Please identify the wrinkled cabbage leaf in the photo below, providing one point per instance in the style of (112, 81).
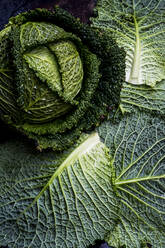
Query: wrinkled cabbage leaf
(136, 145)
(139, 27)
(143, 97)
(111, 184)
(112, 188)
(55, 200)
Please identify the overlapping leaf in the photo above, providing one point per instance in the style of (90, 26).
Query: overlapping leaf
(139, 27)
(49, 200)
(137, 146)
(143, 97)
(73, 198)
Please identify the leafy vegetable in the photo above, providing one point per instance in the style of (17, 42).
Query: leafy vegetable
(139, 27)
(50, 200)
(136, 145)
(52, 65)
(143, 97)
(110, 183)
(113, 188)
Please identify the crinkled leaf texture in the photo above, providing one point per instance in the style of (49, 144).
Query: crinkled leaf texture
(58, 76)
(139, 27)
(50, 200)
(137, 145)
(143, 97)
(113, 189)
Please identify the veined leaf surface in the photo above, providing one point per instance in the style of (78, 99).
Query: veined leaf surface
(42, 61)
(139, 27)
(40, 33)
(143, 97)
(71, 67)
(49, 200)
(137, 145)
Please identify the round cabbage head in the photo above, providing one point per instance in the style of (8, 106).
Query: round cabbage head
(58, 77)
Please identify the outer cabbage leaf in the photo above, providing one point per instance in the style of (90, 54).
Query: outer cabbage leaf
(55, 200)
(143, 97)
(139, 27)
(137, 145)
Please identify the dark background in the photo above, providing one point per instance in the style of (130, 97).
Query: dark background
(82, 9)
(79, 8)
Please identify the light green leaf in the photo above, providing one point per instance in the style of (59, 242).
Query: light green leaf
(143, 97)
(41, 33)
(71, 68)
(139, 27)
(55, 200)
(39, 103)
(137, 145)
(43, 62)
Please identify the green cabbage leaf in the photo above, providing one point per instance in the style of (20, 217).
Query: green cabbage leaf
(143, 97)
(55, 200)
(139, 27)
(136, 142)
(136, 146)
(110, 183)
(110, 188)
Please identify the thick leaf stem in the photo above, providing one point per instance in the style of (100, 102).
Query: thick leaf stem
(134, 75)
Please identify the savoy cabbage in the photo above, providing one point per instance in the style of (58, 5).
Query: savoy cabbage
(110, 183)
(54, 80)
